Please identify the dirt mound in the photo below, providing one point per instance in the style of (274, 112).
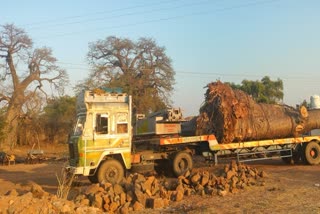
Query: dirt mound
(232, 115)
(136, 192)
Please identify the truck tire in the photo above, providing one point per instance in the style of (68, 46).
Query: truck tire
(110, 171)
(182, 162)
(312, 153)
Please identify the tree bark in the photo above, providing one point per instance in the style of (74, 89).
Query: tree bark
(233, 116)
(11, 129)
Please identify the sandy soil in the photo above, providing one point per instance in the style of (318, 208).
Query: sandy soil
(287, 189)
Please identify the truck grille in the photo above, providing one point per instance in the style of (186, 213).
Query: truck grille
(74, 153)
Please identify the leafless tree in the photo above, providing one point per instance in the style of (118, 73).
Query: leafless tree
(25, 72)
(142, 69)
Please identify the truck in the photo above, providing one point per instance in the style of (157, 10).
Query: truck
(108, 140)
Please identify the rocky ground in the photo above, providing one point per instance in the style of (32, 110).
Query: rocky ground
(262, 187)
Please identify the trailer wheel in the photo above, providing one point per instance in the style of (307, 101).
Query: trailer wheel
(181, 163)
(110, 171)
(312, 153)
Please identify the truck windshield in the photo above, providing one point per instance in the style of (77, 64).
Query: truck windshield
(79, 125)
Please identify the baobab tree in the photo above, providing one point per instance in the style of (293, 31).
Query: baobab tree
(141, 68)
(25, 71)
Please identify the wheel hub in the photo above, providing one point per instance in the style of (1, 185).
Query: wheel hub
(182, 164)
(111, 173)
(313, 153)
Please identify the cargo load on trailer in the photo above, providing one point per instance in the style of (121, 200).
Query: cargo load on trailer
(233, 116)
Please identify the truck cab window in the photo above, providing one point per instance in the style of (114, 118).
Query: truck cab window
(102, 123)
(122, 123)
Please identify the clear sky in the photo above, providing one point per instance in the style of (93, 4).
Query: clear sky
(207, 40)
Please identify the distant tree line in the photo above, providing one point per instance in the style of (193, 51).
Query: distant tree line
(262, 91)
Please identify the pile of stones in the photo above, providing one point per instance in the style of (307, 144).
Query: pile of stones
(136, 192)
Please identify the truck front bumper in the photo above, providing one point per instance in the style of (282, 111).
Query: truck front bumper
(79, 170)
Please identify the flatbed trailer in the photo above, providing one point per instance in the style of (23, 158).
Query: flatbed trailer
(290, 150)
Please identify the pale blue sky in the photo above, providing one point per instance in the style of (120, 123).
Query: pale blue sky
(230, 40)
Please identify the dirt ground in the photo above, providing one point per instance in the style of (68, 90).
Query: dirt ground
(287, 188)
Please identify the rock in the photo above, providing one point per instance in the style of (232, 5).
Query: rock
(166, 202)
(137, 206)
(195, 178)
(124, 210)
(234, 190)
(180, 188)
(209, 190)
(105, 185)
(97, 201)
(263, 174)
(155, 203)
(37, 190)
(252, 173)
(123, 198)
(222, 192)
(113, 206)
(199, 188)
(92, 189)
(138, 178)
(85, 202)
(147, 185)
(12, 192)
(148, 192)
(140, 196)
(66, 209)
(179, 195)
(117, 189)
(205, 179)
(187, 174)
(155, 188)
(230, 174)
(106, 199)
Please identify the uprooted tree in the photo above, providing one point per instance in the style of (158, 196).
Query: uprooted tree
(24, 73)
(232, 115)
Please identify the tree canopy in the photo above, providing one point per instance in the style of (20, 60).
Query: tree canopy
(24, 73)
(142, 69)
(58, 118)
(263, 91)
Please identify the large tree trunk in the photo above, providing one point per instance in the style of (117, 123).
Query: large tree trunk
(12, 118)
(11, 129)
(234, 116)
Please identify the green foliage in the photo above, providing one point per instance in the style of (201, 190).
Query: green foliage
(262, 91)
(58, 118)
(141, 69)
(305, 104)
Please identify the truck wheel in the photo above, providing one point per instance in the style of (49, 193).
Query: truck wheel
(312, 153)
(181, 163)
(110, 171)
